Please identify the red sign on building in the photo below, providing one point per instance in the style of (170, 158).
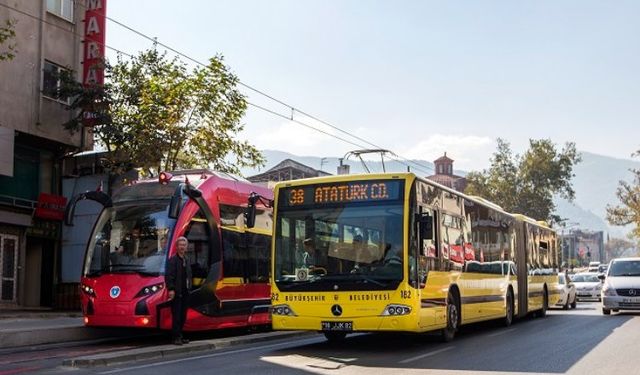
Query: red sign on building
(94, 48)
(50, 207)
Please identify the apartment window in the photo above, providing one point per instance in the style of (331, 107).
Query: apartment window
(51, 80)
(62, 8)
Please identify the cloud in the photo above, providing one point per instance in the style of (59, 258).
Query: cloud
(469, 152)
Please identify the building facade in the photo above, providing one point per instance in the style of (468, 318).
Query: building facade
(579, 247)
(286, 170)
(444, 174)
(33, 143)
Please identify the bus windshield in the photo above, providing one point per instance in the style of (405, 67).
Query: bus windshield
(130, 239)
(345, 247)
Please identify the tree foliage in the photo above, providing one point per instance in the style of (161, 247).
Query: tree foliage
(7, 34)
(628, 212)
(527, 183)
(618, 247)
(163, 115)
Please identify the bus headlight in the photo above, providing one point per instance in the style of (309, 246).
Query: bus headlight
(88, 290)
(282, 310)
(149, 290)
(396, 310)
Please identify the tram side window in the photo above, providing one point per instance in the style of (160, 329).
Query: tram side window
(259, 251)
(198, 252)
(246, 256)
(234, 254)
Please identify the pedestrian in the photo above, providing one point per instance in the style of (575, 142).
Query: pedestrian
(178, 280)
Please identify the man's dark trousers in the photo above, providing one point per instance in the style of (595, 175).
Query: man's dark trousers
(179, 312)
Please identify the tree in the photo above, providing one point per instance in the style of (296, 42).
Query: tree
(162, 115)
(629, 210)
(617, 247)
(527, 183)
(7, 33)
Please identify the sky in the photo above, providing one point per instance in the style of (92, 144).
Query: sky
(416, 77)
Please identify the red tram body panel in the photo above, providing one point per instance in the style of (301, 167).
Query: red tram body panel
(122, 282)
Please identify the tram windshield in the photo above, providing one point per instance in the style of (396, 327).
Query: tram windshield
(330, 246)
(130, 239)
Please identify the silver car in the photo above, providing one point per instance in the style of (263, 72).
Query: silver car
(621, 290)
(588, 286)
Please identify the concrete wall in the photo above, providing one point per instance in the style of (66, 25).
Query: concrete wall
(22, 107)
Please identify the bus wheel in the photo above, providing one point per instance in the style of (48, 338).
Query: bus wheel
(453, 317)
(508, 317)
(545, 304)
(335, 337)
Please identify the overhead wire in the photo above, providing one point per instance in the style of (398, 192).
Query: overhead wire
(293, 109)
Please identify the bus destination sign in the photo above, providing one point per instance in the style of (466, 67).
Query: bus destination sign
(341, 192)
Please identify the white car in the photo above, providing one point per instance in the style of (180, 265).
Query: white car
(567, 291)
(621, 290)
(588, 286)
(593, 266)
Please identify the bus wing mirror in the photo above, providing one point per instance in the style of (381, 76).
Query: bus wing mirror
(250, 214)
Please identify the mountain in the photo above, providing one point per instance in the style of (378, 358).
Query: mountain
(595, 183)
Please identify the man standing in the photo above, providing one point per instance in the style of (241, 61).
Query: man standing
(178, 280)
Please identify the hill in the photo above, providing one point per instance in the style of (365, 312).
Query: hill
(595, 182)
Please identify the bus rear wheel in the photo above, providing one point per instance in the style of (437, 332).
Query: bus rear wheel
(508, 318)
(545, 304)
(453, 317)
(335, 337)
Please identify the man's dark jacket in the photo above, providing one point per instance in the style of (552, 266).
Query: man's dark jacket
(178, 276)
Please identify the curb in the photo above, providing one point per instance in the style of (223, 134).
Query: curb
(62, 334)
(165, 351)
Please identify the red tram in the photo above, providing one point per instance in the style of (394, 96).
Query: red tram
(122, 280)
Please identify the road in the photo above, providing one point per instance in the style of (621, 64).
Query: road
(580, 341)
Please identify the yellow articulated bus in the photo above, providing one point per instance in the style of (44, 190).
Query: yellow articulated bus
(394, 252)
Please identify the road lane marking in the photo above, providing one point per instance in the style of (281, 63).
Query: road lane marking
(501, 332)
(301, 342)
(429, 354)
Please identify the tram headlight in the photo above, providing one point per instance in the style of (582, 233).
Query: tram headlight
(88, 290)
(282, 310)
(149, 290)
(396, 310)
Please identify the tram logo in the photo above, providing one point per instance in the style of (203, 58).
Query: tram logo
(336, 310)
(115, 291)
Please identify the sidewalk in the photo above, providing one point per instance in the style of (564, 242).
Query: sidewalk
(36, 327)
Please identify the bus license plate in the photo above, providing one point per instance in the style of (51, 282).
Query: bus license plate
(337, 326)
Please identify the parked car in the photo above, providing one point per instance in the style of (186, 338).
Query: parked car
(603, 268)
(621, 290)
(588, 286)
(567, 290)
(593, 266)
